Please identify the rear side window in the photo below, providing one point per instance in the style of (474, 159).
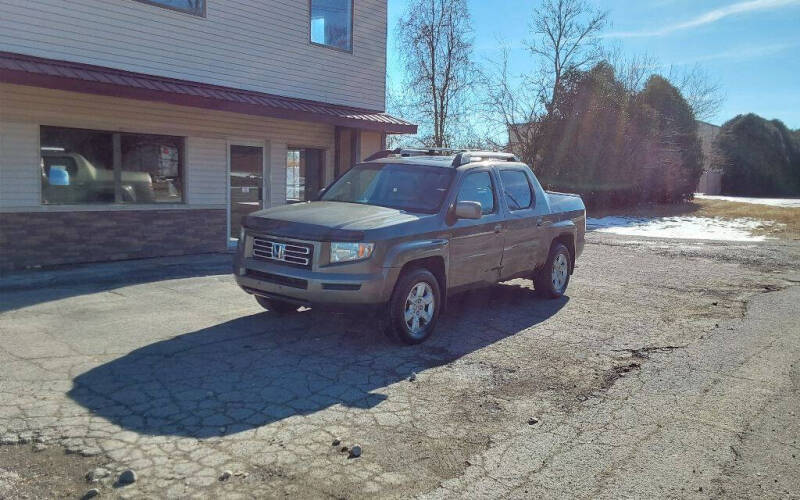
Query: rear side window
(478, 187)
(516, 189)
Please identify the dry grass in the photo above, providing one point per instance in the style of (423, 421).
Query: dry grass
(786, 221)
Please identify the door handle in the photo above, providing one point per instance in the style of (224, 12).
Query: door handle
(539, 221)
(498, 228)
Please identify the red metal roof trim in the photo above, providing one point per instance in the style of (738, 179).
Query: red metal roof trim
(77, 77)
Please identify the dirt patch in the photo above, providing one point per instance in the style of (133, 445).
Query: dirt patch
(50, 473)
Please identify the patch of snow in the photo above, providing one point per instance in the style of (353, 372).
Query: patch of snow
(688, 228)
(773, 202)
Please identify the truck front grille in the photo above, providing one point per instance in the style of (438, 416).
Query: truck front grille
(285, 252)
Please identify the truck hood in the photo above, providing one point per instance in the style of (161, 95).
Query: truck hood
(326, 220)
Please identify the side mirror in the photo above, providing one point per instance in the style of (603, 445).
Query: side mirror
(468, 210)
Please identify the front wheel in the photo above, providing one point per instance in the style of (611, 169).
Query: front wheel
(553, 278)
(276, 306)
(414, 306)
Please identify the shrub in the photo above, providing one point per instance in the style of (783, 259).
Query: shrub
(758, 157)
(616, 148)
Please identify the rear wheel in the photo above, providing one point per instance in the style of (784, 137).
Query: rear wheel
(414, 306)
(553, 278)
(276, 306)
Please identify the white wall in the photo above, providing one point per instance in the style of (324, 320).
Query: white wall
(23, 109)
(261, 45)
(19, 178)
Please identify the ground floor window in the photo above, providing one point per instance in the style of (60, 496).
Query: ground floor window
(96, 167)
(303, 174)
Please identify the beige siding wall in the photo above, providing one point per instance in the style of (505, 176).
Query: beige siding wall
(259, 45)
(23, 109)
(204, 175)
(19, 162)
(370, 143)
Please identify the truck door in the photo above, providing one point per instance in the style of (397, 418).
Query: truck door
(523, 228)
(476, 246)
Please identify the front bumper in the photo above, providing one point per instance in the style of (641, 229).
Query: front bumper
(331, 286)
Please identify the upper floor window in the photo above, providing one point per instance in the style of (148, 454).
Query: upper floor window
(332, 23)
(194, 7)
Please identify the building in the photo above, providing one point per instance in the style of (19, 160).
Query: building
(142, 128)
(711, 180)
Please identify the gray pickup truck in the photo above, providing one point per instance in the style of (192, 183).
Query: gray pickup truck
(406, 229)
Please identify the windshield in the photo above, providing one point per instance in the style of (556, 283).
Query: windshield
(413, 188)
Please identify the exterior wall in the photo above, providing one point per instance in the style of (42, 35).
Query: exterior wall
(707, 133)
(19, 142)
(35, 234)
(47, 239)
(208, 132)
(710, 182)
(260, 45)
(370, 143)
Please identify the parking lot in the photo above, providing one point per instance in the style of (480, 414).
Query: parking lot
(672, 369)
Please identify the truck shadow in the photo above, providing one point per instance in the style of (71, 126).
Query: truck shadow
(259, 369)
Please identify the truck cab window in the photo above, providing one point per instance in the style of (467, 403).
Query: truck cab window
(478, 187)
(517, 189)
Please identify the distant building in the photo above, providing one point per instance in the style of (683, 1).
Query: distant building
(711, 180)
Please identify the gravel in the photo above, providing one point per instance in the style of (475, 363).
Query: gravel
(127, 477)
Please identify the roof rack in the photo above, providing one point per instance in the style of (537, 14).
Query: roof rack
(462, 156)
(472, 156)
(413, 152)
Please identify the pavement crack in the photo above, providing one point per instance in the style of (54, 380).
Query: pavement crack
(644, 352)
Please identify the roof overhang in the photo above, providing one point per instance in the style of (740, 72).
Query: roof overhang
(88, 79)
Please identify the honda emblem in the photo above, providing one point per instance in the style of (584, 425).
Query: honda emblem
(278, 251)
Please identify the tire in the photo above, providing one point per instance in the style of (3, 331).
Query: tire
(552, 279)
(414, 307)
(276, 306)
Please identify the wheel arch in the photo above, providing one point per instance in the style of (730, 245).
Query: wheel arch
(437, 266)
(568, 240)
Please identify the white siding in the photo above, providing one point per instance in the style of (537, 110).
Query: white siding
(20, 176)
(204, 175)
(260, 45)
(277, 176)
(208, 134)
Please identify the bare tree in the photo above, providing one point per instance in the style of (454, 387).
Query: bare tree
(566, 38)
(703, 93)
(631, 70)
(513, 108)
(436, 38)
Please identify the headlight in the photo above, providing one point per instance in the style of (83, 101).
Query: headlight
(346, 252)
(241, 236)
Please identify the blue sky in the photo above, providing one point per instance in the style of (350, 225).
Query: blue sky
(751, 46)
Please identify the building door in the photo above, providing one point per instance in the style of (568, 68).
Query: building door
(245, 185)
(304, 174)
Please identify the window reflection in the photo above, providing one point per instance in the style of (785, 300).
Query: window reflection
(78, 166)
(332, 23)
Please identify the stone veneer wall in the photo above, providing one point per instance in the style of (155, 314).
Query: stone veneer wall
(30, 239)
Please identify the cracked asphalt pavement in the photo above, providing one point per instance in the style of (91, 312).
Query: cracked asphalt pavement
(671, 370)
